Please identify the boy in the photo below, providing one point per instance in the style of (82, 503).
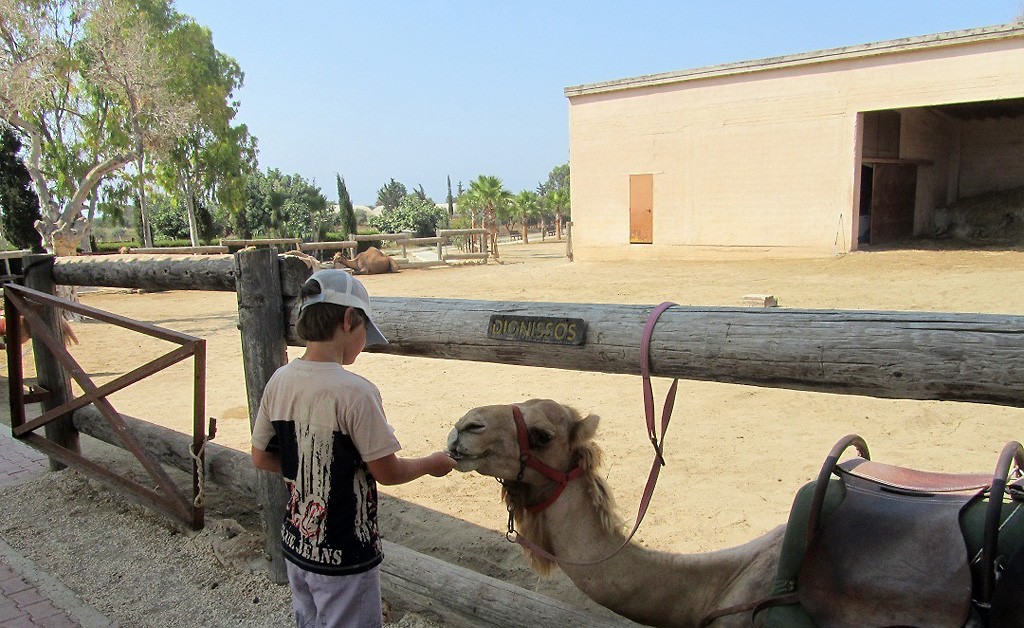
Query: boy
(323, 428)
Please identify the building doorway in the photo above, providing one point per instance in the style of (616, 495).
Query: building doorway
(641, 209)
(890, 190)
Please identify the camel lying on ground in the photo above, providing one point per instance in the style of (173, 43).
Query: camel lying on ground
(372, 261)
(650, 587)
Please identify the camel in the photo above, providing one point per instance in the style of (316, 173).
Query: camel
(580, 526)
(369, 262)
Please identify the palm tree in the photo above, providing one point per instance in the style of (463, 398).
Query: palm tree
(493, 197)
(558, 202)
(391, 195)
(525, 206)
(317, 210)
(469, 206)
(276, 200)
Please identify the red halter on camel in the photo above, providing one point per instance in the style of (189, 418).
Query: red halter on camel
(562, 478)
(527, 459)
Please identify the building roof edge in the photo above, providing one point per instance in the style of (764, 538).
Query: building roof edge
(949, 38)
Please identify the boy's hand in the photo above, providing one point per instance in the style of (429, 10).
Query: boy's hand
(440, 464)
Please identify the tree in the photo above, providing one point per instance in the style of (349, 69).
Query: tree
(471, 207)
(558, 179)
(451, 200)
(87, 84)
(167, 220)
(210, 161)
(412, 214)
(391, 194)
(557, 202)
(493, 198)
(555, 194)
(349, 224)
(19, 204)
(525, 206)
(316, 204)
(283, 206)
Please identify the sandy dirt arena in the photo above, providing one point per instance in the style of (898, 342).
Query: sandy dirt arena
(736, 454)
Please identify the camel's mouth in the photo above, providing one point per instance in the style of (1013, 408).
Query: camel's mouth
(464, 460)
(461, 451)
(461, 456)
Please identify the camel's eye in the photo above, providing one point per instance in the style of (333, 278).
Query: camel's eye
(474, 428)
(539, 438)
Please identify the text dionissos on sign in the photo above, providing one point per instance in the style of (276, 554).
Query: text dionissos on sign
(557, 331)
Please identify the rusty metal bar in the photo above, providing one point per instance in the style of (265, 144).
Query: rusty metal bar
(15, 369)
(111, 387)
(147, 496)
(34, 296)
(36, 394)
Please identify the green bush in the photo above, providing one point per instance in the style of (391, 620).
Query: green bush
(174, 242)
(113, 246)
(412, 214)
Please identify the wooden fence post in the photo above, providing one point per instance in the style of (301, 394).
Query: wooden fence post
(568, 240)
(261, 320)
(38, 271)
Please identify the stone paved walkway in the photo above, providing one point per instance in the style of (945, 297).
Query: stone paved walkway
(30, 597)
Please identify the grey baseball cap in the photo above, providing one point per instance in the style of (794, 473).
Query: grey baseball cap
(341, 288)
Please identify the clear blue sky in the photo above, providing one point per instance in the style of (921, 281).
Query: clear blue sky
(419, 90)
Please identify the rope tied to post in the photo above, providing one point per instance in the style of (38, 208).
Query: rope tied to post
(199, 463)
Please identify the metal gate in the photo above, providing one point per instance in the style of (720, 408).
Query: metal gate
(166, 498)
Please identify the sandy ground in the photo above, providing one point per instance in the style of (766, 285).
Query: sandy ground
(736, 454)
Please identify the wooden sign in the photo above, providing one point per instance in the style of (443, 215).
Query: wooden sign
(546, 329)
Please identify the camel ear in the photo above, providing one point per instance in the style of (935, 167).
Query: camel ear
(586, 428)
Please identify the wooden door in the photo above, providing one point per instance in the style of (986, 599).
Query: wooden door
(641, 208)
(893, 194)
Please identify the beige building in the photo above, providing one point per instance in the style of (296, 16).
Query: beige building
(807, 154)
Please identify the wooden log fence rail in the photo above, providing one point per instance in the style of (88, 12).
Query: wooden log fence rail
(438, 241)
(13, 273)
(380, 237)
(181, 250)
(315, 248)
(476, 240)
(897, 355)
(236, 244)
(907, 355)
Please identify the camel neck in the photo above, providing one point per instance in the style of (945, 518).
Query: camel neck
(648, 585)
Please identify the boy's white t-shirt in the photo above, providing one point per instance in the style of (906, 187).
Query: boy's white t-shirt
(325, 423)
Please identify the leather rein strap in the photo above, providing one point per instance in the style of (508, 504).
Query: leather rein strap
(527, 459)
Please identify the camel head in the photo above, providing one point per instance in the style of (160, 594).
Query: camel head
(486, 440)
(340, 261)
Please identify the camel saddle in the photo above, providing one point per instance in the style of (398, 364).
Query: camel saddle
(869, 544)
